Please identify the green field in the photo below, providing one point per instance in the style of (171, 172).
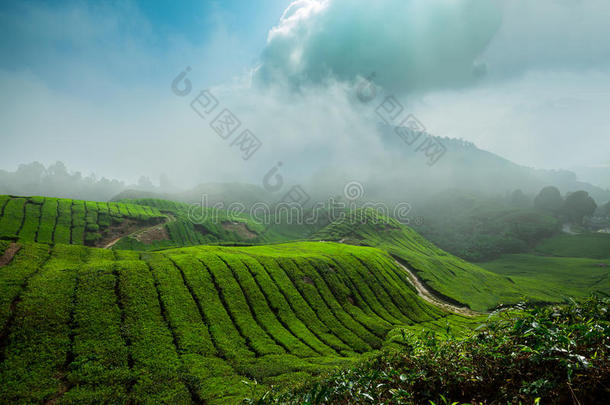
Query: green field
(191, 324)
(449, 276)
(211, 323)
(53, 220)
(192, 225)
(591, 245)
(553, 279)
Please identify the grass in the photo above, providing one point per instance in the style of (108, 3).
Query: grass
(591, 245)
(216, 324)
(84, 325)
(553, 279)
(53, 220)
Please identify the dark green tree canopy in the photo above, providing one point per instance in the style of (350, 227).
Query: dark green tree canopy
(549, 199)
(578, 205)
(519, 199)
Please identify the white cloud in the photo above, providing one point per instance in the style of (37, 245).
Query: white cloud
(411, 45)
(540, 105)
(551, 35)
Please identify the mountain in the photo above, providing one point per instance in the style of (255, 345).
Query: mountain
(402, 173)
(205, 324)
(600, 175)
(212, 324)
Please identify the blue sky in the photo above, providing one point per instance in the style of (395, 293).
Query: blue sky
(58, 39)
(88, 83)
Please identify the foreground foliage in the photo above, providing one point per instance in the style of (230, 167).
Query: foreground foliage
(557, 354)
(60, 220)
(83, 325)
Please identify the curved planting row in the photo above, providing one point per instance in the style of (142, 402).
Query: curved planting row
(196, 225)
(53, 220)
(191, 325)
(443, 273)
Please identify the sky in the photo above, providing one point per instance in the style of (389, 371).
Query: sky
(91, 84)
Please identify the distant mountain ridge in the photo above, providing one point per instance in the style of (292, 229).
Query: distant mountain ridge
(402, 173)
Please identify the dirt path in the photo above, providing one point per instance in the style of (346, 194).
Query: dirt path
(168, 219)
(9, 253)
(426, 295)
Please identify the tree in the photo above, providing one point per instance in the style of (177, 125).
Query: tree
(519, 199)
(30, 173)
(578, 205)
(549, 199)
(145, 183)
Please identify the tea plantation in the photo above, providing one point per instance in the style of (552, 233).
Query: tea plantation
(179, 322)
(53, 220)
(86, 325)
(483, 288)
(192, 225)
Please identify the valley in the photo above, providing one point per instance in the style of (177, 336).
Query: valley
(177, 320)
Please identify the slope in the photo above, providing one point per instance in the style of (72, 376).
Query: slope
(55, 220)
(196, 225)
(190, 325)
(447, 276)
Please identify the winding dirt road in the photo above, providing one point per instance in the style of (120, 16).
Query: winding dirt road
(428, 296)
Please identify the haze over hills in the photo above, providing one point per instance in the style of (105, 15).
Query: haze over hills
(304, 202)
(597, 175)
(463, 166)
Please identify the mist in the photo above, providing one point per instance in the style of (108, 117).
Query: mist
(91, 86)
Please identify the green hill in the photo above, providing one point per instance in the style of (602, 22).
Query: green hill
(448, 276)
(54, 220)
(145, 224)
(163, 321)
(84, 325)
(192, 225)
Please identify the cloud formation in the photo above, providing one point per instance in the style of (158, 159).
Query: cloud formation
(409, 44)
(527, 80)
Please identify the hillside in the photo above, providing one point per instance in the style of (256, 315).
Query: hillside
(53, 220)
(191, 324)
(478, 228)
(192, 225)
(145, 224)
(529, 355)
(169, 322)
(467, 167)
(448, 276)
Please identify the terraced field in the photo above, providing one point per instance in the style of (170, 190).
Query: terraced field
(53, 220)
(458, 281)
(192, 225)
(214, 323)
(190, 325)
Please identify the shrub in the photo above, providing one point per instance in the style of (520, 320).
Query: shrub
(550, 355)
